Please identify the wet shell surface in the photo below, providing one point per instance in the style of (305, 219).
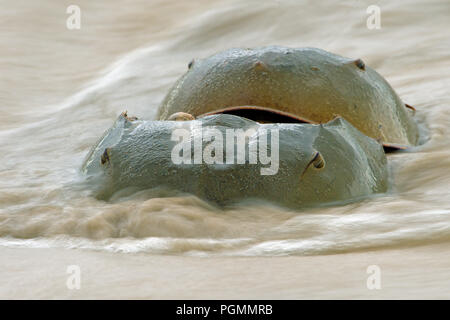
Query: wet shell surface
(279, 84)
(297, 164)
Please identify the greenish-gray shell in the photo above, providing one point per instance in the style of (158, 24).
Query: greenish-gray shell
(310, 83)
(317, 164)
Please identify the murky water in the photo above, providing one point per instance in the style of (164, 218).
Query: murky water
(60, 89)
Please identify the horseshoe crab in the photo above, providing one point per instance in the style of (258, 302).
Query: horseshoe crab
(279, 84)
(292, 164)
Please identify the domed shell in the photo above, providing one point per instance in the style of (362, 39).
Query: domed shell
(304, 84)
(308, 165)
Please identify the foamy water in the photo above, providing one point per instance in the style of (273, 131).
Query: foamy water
(61, 89)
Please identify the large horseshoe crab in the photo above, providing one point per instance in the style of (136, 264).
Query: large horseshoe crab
(278, 84)
(291, 164)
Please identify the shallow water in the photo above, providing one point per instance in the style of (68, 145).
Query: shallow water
(60, 89)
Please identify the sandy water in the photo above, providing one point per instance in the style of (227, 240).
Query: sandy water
(60, 89)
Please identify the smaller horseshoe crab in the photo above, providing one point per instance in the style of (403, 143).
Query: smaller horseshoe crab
(279, 84)
(225, 158)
